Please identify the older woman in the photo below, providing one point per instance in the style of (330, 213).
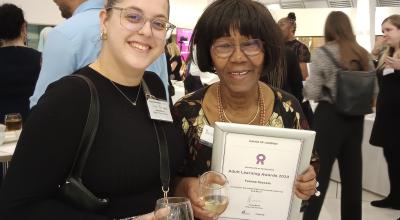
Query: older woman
(123, 164)
(240, 41)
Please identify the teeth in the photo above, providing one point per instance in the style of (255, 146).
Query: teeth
(240, 73)
(139, 46)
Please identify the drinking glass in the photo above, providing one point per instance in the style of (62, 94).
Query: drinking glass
(173, 208)
(13, 121)
(214, 192)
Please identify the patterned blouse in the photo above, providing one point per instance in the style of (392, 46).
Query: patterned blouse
(188, 112)
(301, 50)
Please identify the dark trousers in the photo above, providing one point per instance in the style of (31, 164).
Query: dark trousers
(392, 154)
(338, 137)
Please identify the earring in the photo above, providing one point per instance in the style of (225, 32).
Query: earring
(103, 35)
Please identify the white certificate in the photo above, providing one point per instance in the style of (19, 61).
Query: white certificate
(261, 164)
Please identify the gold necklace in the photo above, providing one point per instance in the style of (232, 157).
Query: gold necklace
(260, 106)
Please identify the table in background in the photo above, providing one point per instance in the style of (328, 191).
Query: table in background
(6, 153)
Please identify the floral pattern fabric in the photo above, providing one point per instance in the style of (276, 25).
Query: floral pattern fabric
(188, 112)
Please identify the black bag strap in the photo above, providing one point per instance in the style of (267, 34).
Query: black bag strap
(330, 55)
(163, 147)
(89, 131)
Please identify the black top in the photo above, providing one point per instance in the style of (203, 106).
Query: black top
(176, 72)
(294, 80)
(20, 67)
(384, 132)
(123, 164)
(301, 50)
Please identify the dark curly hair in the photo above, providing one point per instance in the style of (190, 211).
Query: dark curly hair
(11, 21)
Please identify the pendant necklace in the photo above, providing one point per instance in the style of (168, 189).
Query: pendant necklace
(125, 96)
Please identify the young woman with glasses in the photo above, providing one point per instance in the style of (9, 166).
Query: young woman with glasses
(240, 41)
(123, 164)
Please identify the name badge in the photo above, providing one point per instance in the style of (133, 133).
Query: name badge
(207, 136)
(387, 71)
(159, 110)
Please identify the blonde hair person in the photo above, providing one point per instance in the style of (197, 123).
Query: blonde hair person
(123, 164)
(338, 136)
(385, 129)
(175, 60)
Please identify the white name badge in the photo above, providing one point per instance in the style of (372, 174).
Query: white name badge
(207, 136)
(159, 110)
(387, 71)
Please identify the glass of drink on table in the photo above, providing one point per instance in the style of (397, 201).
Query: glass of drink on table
(13, 121)
(214, 192)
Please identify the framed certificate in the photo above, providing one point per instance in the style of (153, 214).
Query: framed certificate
(261, 164)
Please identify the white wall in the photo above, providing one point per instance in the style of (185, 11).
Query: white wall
(311, 21)
(380, 15)
(184, 13)
(38, 11)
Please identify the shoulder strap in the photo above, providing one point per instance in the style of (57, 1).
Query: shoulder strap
(162, 145)
(330, 55)
(89, 131)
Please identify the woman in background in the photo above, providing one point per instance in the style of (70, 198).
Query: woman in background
(20, 65)
(338, 136)
(174, 58)
(385, 130)
(288, 26)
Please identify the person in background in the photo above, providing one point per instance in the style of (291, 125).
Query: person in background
(123, 164)
(338, 136)
(75, 43)
(384, 131)
(240, 41)
(20, 65)
(43, 37)
(288, 27)
(175, 60)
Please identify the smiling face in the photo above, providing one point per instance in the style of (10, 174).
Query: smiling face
(134, 49)
(391, 34)
(239, 73)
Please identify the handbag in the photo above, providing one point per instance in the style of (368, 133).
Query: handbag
(72, 191)
(354, 89)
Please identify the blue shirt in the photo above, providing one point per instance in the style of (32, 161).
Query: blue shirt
(76, 43)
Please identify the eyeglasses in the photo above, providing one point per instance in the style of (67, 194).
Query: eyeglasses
(224, 49)
(133, 20)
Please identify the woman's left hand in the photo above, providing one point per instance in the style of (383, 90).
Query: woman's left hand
(392, 62)
(305, 185)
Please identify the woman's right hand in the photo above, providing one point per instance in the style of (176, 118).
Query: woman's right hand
(190, 188)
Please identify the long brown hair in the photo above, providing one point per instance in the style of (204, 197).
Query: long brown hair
(395, 21)
(338, 28)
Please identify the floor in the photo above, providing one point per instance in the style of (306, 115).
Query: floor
(331, 208)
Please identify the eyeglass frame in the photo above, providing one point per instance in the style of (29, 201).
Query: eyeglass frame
(234, 46)
(168, 26)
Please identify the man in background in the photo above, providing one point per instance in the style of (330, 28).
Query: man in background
(76, 43)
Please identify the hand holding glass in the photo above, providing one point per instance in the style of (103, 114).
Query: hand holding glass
(214, 192)
(173, 208)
